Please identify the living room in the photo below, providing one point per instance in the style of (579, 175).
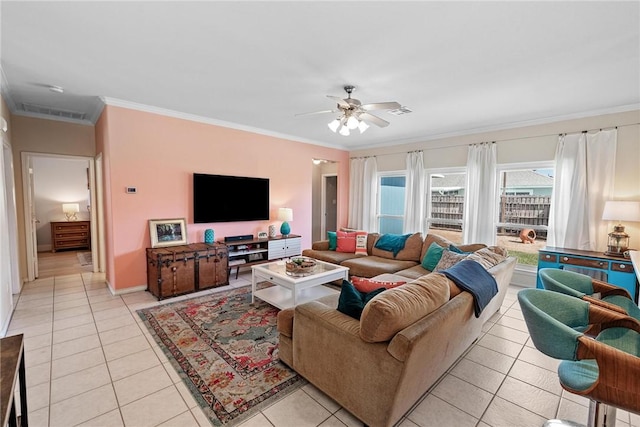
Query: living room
(157, 149)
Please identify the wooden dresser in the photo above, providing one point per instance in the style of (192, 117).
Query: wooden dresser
(70, 235)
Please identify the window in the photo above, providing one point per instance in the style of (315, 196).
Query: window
(445, 203)
(391, 191)
(524, 200)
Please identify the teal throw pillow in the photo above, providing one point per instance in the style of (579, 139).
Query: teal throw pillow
(432, 257)
(352, 301)
(333, 240)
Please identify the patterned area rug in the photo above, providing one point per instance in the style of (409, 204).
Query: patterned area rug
(226, 351)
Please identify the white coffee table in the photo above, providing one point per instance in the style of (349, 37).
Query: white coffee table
(290, 290)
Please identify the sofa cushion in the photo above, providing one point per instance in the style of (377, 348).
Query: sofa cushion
(333, 257)
(487, 257)
(346, 241)
(449, 259)
(372, 265)
(432, 257)
(392, 242)
(352, 301)
(454, 248)
(410, 252)
(434, 238)
(364, 284)
(395, 309)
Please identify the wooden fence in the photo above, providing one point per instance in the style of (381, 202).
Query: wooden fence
(528, 211)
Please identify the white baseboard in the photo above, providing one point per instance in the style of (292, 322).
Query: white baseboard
(126, 290)
(524, 277)
(44, 248)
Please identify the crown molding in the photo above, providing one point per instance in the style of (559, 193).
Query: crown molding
(207, 120)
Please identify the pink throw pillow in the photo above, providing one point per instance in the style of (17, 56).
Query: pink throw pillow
(346, 242)
(368, 285)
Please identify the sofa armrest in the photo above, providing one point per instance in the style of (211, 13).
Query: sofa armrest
(329, 353)
(320, 245)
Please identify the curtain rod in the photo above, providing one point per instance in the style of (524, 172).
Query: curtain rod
(501, 140)
(590, 130)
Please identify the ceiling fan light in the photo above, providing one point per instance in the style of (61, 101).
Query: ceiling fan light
(362, 126)
(352, 122)
(344, 131)
(333, 125)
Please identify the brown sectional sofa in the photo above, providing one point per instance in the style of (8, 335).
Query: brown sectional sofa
(405, 263)
(379, 379)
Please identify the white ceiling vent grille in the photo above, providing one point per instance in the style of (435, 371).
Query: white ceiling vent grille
(400, 111)
(47, 111)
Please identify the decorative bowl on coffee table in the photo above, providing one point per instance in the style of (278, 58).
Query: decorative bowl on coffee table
(300, 266)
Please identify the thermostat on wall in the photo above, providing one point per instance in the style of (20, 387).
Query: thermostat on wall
(131, 190)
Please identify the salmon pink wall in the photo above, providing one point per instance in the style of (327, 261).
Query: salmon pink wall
(158, 155)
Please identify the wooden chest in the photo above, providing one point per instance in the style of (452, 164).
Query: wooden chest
(177, 270)
(70, 235)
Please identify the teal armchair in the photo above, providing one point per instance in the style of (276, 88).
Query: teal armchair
(591, 290)
(605, 369)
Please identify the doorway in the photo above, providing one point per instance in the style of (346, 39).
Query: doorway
(329, 203)
(324, 198)
(49, 182)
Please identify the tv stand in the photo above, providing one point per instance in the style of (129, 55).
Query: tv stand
(245, 253)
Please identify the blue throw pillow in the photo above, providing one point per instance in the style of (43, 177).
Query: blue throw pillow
(352, 301)
(432, 257)
(333, 240)
(392, 242)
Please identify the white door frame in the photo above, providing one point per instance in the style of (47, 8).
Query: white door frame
(323, 203)
(12, 217)
(32, 250)
(97, 203)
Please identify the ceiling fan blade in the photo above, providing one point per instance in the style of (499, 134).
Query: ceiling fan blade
(341, 102)
(313, 113)
(373, 119)
(380, 106)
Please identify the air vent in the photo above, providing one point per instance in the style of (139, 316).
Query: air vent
(48, 111)
(400, 111)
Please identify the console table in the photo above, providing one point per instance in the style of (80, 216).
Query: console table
(12, 369)
(615, 270)
(245, 253)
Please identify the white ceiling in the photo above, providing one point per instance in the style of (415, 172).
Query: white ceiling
(460, 66)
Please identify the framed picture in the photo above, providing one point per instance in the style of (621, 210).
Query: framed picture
(168, 232)
(262, 235)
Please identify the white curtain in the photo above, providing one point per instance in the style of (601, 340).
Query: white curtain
(362, 194)
(480, 195)
(414, 194)
(585, 168)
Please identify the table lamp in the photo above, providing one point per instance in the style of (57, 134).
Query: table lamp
(71, 211)
(614, 210)
(285, 214)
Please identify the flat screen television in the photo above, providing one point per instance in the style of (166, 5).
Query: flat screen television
(223, 198)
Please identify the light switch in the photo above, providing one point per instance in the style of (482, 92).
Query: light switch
(131, 190)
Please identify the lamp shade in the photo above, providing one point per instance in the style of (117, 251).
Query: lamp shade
(617, 210)
(70, 210)
(70, 207)
(285, 214)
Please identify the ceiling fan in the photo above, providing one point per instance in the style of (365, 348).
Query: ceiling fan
(355, 114)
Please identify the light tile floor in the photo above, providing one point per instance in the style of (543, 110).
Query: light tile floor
(91, 362)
